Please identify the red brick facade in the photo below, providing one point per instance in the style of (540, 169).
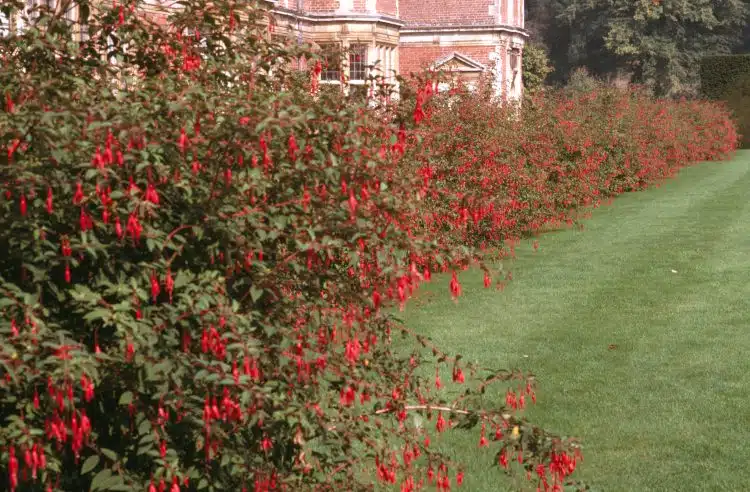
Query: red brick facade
(388, 7)
(448, 12)
(467, 36)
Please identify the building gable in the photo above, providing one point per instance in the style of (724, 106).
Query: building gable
(456, 62)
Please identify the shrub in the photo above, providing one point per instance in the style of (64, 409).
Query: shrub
(581, 81)
(720, 73)
(738, 101)
(726, 78)
(496, 178)
(536, 68)
(198, 269)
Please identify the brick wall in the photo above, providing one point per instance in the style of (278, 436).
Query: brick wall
(319, 5)
(388, 7)
(416, 58)
(448, 12)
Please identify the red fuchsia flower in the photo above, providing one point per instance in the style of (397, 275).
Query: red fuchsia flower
(458, 375)
(8, 102)
(503, 459)
(347, 396)
(376, 299)
(352, 204)
(438, 383)
(88, 388)
(169, 284)
(418, 110)
(440, 424)
(293, 148)
(266, 156)
(78, 196)
(197, 125)
(266, 444)
(151, 194)
(455, 286)
(132, 187)
(353, 348)
(67, 273)
(314, 77)
(487, 280)
(231, 20)
(155, 288)
(134, 227)
(49, 200)
(97, 161)
(85, 221)
(23, 205)
(182, 142)
(12, 149)
(118, 228)
(12, 469)
(483, 442)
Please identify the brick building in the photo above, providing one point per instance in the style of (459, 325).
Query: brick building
(467, 37)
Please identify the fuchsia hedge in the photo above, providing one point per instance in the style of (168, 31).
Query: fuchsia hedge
(497, 175)
(199, 257)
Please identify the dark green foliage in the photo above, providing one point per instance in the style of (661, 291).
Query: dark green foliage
(727, 78)
(656, 42)
(719, 74)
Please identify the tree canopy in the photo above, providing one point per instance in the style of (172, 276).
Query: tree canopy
(656, 42)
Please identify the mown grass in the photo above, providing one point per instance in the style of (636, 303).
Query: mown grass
(638, 329)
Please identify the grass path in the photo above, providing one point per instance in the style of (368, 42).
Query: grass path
(669, 407)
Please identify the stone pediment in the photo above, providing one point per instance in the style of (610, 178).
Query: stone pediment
(456, 62)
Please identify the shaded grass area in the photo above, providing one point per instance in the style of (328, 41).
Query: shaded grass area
(638, 329)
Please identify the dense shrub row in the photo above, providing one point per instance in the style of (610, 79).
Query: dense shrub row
(497, 177)
(197, 264)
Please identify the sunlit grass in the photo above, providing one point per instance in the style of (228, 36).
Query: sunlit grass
(638, 329)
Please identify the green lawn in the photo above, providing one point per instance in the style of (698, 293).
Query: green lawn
(669, 407)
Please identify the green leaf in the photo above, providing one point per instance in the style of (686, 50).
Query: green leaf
(89, 464)
(255, 293)
(96, 314)
(126, 398)
(109, 454)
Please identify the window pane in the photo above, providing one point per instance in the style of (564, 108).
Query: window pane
(358, 62)
(331, 64)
